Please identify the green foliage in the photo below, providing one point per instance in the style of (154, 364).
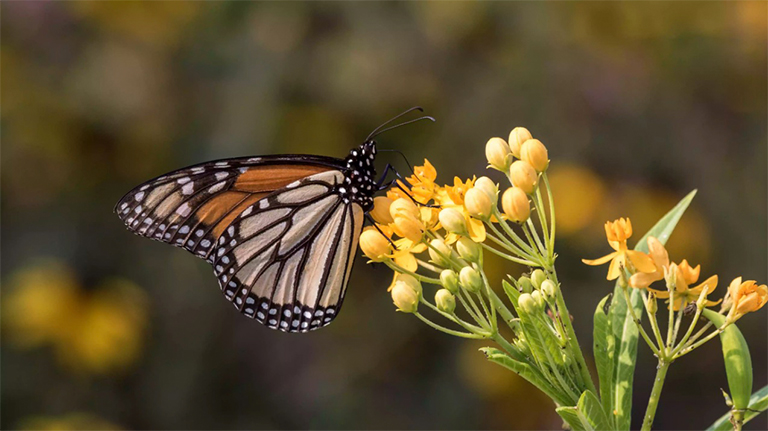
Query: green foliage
(604, 348)
(588, 414)
(625, 330)
(526, 371)
(758, 403)
(738, 362)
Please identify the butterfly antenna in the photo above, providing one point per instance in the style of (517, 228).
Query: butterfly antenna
(407, 111)
(401, 155)
(373, 135)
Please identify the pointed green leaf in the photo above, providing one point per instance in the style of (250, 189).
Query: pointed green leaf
(591, 409)
(511, 292)
(604, 349)
(624, 329)
(758, 403)
(574, 418)
(738, 362)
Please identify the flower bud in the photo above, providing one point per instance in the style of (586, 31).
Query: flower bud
(445, 301)
(535, 153)
(375, 245)
(548, 288)
(523, 175)
(515, 204)
(526, 302)
(525, 284)
(437, 248)
(650, 303)
(537, 277)
(449, 280)
(489, 187)
(498, 154)
(405, 298)
(517, 137)
(470, 279)
(468, 249)
(478, 203)
(410, 280)
(380, 211)
(538, 297)
(408, 226)
(453, 221)
(403, 206)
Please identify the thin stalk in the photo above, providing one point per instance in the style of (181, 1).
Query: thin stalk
(479, 313)
(539, 204)
(512, 234)
(488, 291)
(671, 313)
(575, 349)
(640, 328)
(689, 349)
(684, 340)
(507, 256)
(551, 212)
(519, 248)
(455, 319)
(428, 266)
(653, 401)
(677, 324)
(397, 268)
(653, 322)
(698, 334)
(531, 231)
(448, 331)
(469, 310)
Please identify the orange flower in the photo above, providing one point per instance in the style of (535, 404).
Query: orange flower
(617, 233)
(747, 297)
(684, 276)
(660, 257)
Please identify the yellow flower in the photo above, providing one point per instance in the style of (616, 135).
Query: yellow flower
(523, 175)
(617, 233)
(453, 197)
(380, 211)
(517, 137)
(478, 204)
(421, 185)
(515, 204)
(498, 154)
(660, 257)
(746, 297)
(684, 276)
(535, 153)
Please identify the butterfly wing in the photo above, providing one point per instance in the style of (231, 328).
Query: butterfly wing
(192, 207)
(285, 260)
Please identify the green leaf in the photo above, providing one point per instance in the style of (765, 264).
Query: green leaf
(624, 329)
(587, 415)
(511, 292)
(758, 403)
(604, 348)
(574, 418)
(738, 362)
(526, 371)
(590, 406)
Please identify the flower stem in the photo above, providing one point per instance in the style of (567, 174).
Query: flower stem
(653, 401)
(449, 331)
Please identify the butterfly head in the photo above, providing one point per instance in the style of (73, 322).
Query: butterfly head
(360, 175)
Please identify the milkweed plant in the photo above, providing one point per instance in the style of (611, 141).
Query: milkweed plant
(434, 238)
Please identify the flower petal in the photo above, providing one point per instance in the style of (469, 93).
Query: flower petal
(600, 260)
(642, 280)
(407, 261)
(617, 265)
(641, 261)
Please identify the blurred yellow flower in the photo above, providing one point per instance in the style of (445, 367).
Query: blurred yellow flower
(95, 332)
(617, 233)
(72, 421)
(453, 197)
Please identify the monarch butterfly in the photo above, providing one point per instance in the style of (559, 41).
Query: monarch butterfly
(280, 231)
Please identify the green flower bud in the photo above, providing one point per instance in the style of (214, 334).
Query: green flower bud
(405, 297)
(439, 252)
(537, 278)
(525, 284)
(445, 301)
(469, 250)
(470, 279)
(650, 304)
(453, 221)
(410, 280)
(449, 280)
(538, 297)
(548, 288)
(527, 303)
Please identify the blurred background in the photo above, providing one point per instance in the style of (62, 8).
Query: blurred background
(638, 103)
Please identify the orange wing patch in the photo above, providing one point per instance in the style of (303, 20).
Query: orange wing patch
(223, 209)
(269, 178)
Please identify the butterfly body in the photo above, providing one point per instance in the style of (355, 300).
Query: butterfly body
(279, 231)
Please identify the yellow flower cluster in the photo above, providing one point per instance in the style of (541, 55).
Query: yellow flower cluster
(96, 332)
(419, 215)
(647, 268)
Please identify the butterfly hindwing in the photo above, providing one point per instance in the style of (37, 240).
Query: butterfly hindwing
(285, 260)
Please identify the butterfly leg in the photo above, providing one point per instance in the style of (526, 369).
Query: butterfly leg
(382, 184)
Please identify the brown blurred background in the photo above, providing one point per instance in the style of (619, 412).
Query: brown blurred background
(638, 104)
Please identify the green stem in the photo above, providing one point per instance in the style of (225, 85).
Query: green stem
(653, 401)
(653, 322)
(397, 268)
(507, 256)
(574, 342)
(687, 335)
(689, 349)
(455, 319)
(640, 328)
(551, 213)
(448, 331)
(529, 251)
(531, 232)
